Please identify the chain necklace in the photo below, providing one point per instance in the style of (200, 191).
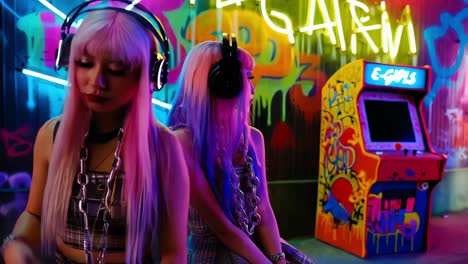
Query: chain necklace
(248, 199)
(83, 180)
(245, 201)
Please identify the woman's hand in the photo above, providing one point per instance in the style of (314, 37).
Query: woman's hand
(18, 252)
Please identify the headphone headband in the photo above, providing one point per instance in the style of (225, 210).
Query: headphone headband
(158, 68)
(225, 77)
(143, 18)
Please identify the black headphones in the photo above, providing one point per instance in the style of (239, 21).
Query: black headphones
(158, 63)
(225, 77)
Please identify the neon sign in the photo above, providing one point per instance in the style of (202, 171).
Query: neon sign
(221, 4)
(395, 76)
(65, 83)
(288, 30)
(364, 24)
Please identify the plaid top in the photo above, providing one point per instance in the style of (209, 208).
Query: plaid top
(74, 233)
(204, 247)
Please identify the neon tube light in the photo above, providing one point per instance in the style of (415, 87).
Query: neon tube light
(389, 43)
(221, 4)
(410, 29)
(328, 24)
(7, 7)
(59, 13)
(412, 40)
(358, 22)
(362, 24)
(288, 30)
(339, 25)
(65, 83)
(45, 77)
(161, 103)
(353, 44)
(53, 9)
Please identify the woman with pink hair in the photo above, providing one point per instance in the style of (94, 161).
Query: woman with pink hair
(112, 185)
(230, 216)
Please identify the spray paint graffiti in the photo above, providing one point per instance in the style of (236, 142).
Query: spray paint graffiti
(393, 221)
(292, 73)
(18, 180)
(13, 206)
(450, 87)
(344, 187)
(13, 203)
(16, 142)
(340, 157)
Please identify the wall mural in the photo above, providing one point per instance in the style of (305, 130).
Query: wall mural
(294, 54)
(449, 95)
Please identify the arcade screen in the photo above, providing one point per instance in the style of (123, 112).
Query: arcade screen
(388, 119)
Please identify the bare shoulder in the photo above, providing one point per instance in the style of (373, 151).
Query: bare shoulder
(184, 136)
(165, 133)
(41, 158)
(49, 125)
(170, 137)
(45, 137)
(257, 137)
(169, 141)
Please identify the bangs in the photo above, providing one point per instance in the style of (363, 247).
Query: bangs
(112, 41)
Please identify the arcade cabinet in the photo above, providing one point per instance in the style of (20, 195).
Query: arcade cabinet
(377, 165)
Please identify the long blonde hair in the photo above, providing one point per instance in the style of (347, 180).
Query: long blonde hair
(120, 36)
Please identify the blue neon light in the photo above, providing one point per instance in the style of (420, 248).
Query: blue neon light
(394, 76)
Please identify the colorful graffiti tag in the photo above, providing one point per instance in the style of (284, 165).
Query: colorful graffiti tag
(447, 44)
(288, 78)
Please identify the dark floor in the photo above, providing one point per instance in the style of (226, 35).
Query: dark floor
(448, 244)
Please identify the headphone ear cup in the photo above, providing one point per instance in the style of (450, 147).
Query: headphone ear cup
(225, 78)
(214, 79)
(158, 72)
(63, 52)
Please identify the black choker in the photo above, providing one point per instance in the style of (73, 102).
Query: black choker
(100, 138)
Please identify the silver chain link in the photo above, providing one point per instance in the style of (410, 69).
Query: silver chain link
(83, 180)
(246, 222)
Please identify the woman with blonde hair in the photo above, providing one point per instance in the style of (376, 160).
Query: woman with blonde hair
(109, 182)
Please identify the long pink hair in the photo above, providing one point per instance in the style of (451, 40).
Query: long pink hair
(195, 106)
(216, 124)
(119, 36)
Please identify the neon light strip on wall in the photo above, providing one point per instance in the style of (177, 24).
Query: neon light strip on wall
(65, 83)
(59, 13)
(7, 7)
(221, 4)
(53, 9)
(288, 30)
(161, 103)
(45, 77)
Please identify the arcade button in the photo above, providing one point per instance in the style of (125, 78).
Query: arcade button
(398, 146)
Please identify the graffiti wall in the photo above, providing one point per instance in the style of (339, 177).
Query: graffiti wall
(297, 45)
(447, 104)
